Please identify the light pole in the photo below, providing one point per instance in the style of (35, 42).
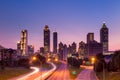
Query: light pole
(35, 58)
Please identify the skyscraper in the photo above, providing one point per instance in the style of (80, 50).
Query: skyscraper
(19, 47)
(73, 48)
(82, 50)
(93, 47)
(61, 50)
(54, 42)
(24, 42)
(90, 37)
(30, 49)
(46, 39)
(104, 37)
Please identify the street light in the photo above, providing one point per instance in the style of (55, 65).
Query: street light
(34, 58)
(92, 60)
(56, 59)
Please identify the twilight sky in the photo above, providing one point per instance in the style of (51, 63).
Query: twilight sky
(72, 19)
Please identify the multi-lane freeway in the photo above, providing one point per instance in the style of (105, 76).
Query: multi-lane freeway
(62, 73)
(87, 74)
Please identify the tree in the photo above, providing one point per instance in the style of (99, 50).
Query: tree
(114, 64)
(99, 64)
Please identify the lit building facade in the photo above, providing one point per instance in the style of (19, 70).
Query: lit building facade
(24, 42)
(46, 39)
(55, 42)
(104, 34)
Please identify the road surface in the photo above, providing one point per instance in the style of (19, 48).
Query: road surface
(62, 73)
(36, 74)
(87, 74)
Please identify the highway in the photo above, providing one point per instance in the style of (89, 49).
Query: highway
(62, 73)
(87, 74)
(36, 74)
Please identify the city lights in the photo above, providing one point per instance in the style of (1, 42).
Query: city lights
(59, 40)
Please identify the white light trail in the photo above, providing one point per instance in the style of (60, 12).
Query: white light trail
(45, 75)
(26, 76)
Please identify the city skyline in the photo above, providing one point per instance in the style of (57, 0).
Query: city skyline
(71, 19)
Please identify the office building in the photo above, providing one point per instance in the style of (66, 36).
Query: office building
(94, 48)
(60, 51)
(90, 37)
(46, 39)
(104, 40)
(82, 50)
(30, 49)
(55, 42)
(24, 42)
(73, 48)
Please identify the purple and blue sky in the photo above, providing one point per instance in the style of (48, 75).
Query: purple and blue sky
(72, 19)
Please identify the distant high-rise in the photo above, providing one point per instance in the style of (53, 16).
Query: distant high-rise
(30, 49)
(24, 42)
(46, 39)
(61, 50)
(104, 37)
(82, 50)
(93, 47)
(19, 47)
(90, 37)
(41, 50)
(74, 48)
(54, 42)
(65, 52)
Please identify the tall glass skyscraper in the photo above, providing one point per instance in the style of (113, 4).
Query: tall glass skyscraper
(46, 39)
(104, 34)
(54, 42)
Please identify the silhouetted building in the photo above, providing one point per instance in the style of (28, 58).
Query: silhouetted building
(42, 50)
(82, 50)
(104, 37)
(94, 48)
(90, 37)
(73, 48)
(60, 51)
(30, 49)
(46, 39)
(55, 42)
(19, 45)
(24, 42)
(65, 52)
(70, 50)
(1, 52)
